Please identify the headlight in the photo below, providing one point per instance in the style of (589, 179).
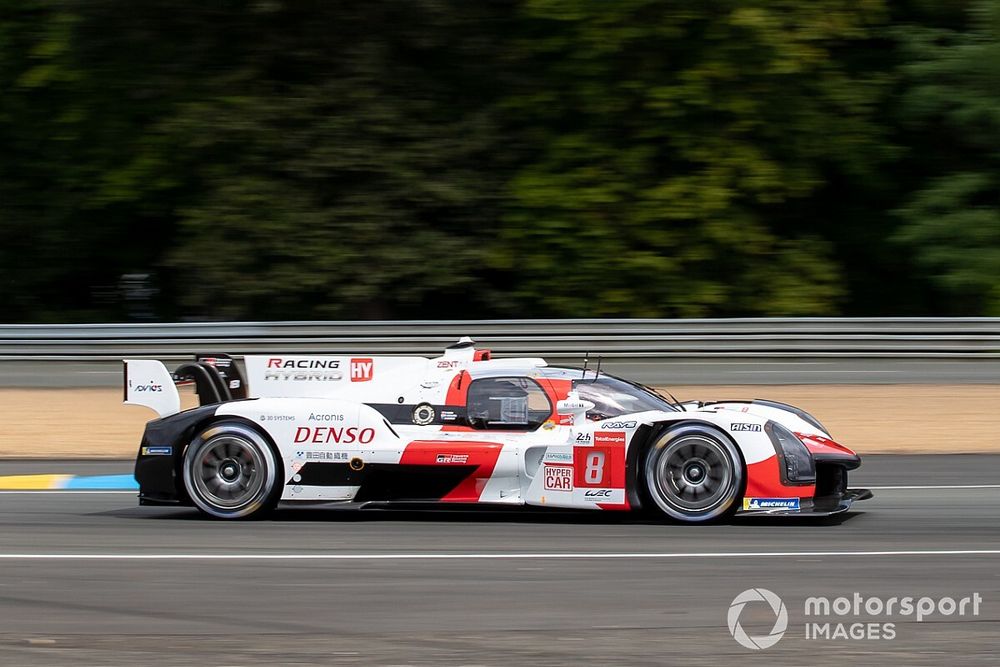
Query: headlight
(797, 465)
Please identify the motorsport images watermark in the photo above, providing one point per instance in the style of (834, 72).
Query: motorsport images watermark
(855, 618)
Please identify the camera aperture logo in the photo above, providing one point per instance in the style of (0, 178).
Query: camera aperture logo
(856, 618)
(757, 642)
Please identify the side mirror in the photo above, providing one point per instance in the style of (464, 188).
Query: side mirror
(574, 406)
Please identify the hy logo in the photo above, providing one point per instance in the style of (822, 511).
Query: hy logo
(362, 369)
(757, 642)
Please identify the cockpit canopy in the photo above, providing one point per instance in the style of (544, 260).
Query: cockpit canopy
(507, 402)
(611, 396)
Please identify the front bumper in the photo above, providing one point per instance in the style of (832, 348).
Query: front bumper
(816, 507)
(831, 495)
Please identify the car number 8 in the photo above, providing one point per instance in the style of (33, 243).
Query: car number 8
(594, 470)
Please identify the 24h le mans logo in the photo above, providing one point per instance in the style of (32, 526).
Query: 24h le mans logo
(757, 642)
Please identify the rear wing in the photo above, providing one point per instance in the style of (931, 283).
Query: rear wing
(148, 383)
(216, 378)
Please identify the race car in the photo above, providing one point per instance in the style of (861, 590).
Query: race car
(467, 428)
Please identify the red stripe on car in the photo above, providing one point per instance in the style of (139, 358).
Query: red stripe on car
(483, 455)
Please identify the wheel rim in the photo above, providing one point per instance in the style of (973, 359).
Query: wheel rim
(694, 474)
(228, 471)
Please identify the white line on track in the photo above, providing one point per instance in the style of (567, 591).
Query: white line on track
(495, 556)
(935, 486)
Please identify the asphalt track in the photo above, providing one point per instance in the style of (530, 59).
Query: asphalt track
(661, 371)
(328, 587)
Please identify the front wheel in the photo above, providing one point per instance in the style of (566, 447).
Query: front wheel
(694, 474)
(230, 472)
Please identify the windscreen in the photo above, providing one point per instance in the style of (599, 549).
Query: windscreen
(613, 397)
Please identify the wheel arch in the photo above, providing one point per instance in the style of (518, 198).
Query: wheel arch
(161, 478)
(211, 420)
(205, 425)
(644, 439)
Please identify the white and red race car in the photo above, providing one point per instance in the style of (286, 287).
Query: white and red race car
(465, 428)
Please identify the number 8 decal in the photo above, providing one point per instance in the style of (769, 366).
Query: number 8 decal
(600, 466)
(594, 470)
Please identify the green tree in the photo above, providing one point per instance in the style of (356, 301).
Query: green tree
(348, 164)
(952, 221)
(441, 158)
(83, 199)
(668, 146)
(271, 160)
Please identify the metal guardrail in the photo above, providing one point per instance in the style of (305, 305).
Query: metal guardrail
(618, 339)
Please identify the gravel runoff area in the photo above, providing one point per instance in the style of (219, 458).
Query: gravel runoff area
(93, 423)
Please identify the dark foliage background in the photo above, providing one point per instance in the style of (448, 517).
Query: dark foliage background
(444, 158)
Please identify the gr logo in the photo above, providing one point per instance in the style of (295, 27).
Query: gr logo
(757, 642)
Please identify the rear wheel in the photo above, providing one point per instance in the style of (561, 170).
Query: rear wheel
(694, 474)
(231, 472)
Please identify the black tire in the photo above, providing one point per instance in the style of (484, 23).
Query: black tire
(231, 471)
(694, 474)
